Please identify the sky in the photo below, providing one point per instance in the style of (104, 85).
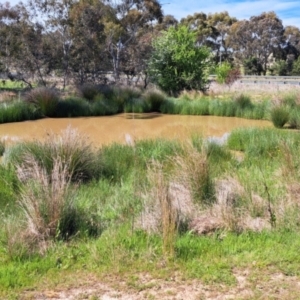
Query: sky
(287, 11)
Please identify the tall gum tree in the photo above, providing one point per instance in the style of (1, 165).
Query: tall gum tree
(259, 37)
(123, 25)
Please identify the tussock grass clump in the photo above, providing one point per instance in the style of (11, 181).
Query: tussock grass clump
(45, 197)
(45, 100)
(243, 101)
(18, 111)
(194, 173)
(291, 100)
(154, 99)
(168, 213)
(294, 118)
(88, 91)
(280, 116)
(72, 107)
(70, 147)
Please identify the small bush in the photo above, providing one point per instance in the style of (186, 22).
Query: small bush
(72, 107)
(155, 100)
(45, 99)
(222, 72)
(88, 91)
(279, 116)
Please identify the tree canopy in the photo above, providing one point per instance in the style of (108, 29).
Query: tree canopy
(177, 62)
(82, 40)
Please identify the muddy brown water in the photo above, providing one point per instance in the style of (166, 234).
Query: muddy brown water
(119, 128)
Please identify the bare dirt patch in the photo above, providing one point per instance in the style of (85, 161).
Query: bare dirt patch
(250, 284)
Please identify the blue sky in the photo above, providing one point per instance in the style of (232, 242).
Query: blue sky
(288, 11)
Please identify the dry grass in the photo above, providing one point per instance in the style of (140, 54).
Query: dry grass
(193, 173)
(161, 209)
(193, 94)
(45, 198)
(258, 92)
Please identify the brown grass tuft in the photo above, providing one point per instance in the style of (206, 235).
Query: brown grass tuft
(44, 198)
(193, 173)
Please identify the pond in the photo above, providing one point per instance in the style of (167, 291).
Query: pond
(122, 127)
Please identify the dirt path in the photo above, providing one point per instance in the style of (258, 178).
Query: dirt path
(249, 285)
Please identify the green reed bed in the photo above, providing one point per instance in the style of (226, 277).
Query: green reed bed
(18, 111)
(105, 100)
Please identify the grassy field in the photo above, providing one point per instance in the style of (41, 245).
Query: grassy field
(156, 219)
(153, 219)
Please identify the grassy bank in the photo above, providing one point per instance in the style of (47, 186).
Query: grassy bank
(202, 210)
(105, 100)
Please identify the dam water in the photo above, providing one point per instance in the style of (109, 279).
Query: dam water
(124, 127)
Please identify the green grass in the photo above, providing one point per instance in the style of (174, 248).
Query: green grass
(101, 228)
(261, 143)
(211, 259)
(18, 111)
(280, 116)
(11, 85)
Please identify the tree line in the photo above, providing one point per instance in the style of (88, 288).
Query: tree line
(81, 40)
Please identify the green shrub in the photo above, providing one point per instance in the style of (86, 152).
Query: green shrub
(45, 99)
(279, 116)
(102, 106)
(222, 70)
(177, 62)
(72, 107)
(88, 91)
(155, 100)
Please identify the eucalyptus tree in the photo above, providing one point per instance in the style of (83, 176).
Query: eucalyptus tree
(128, 20)
(221, 22)
(88, 57)
(257, 38)
(212, 30)
(55, 17)
(9, 35)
